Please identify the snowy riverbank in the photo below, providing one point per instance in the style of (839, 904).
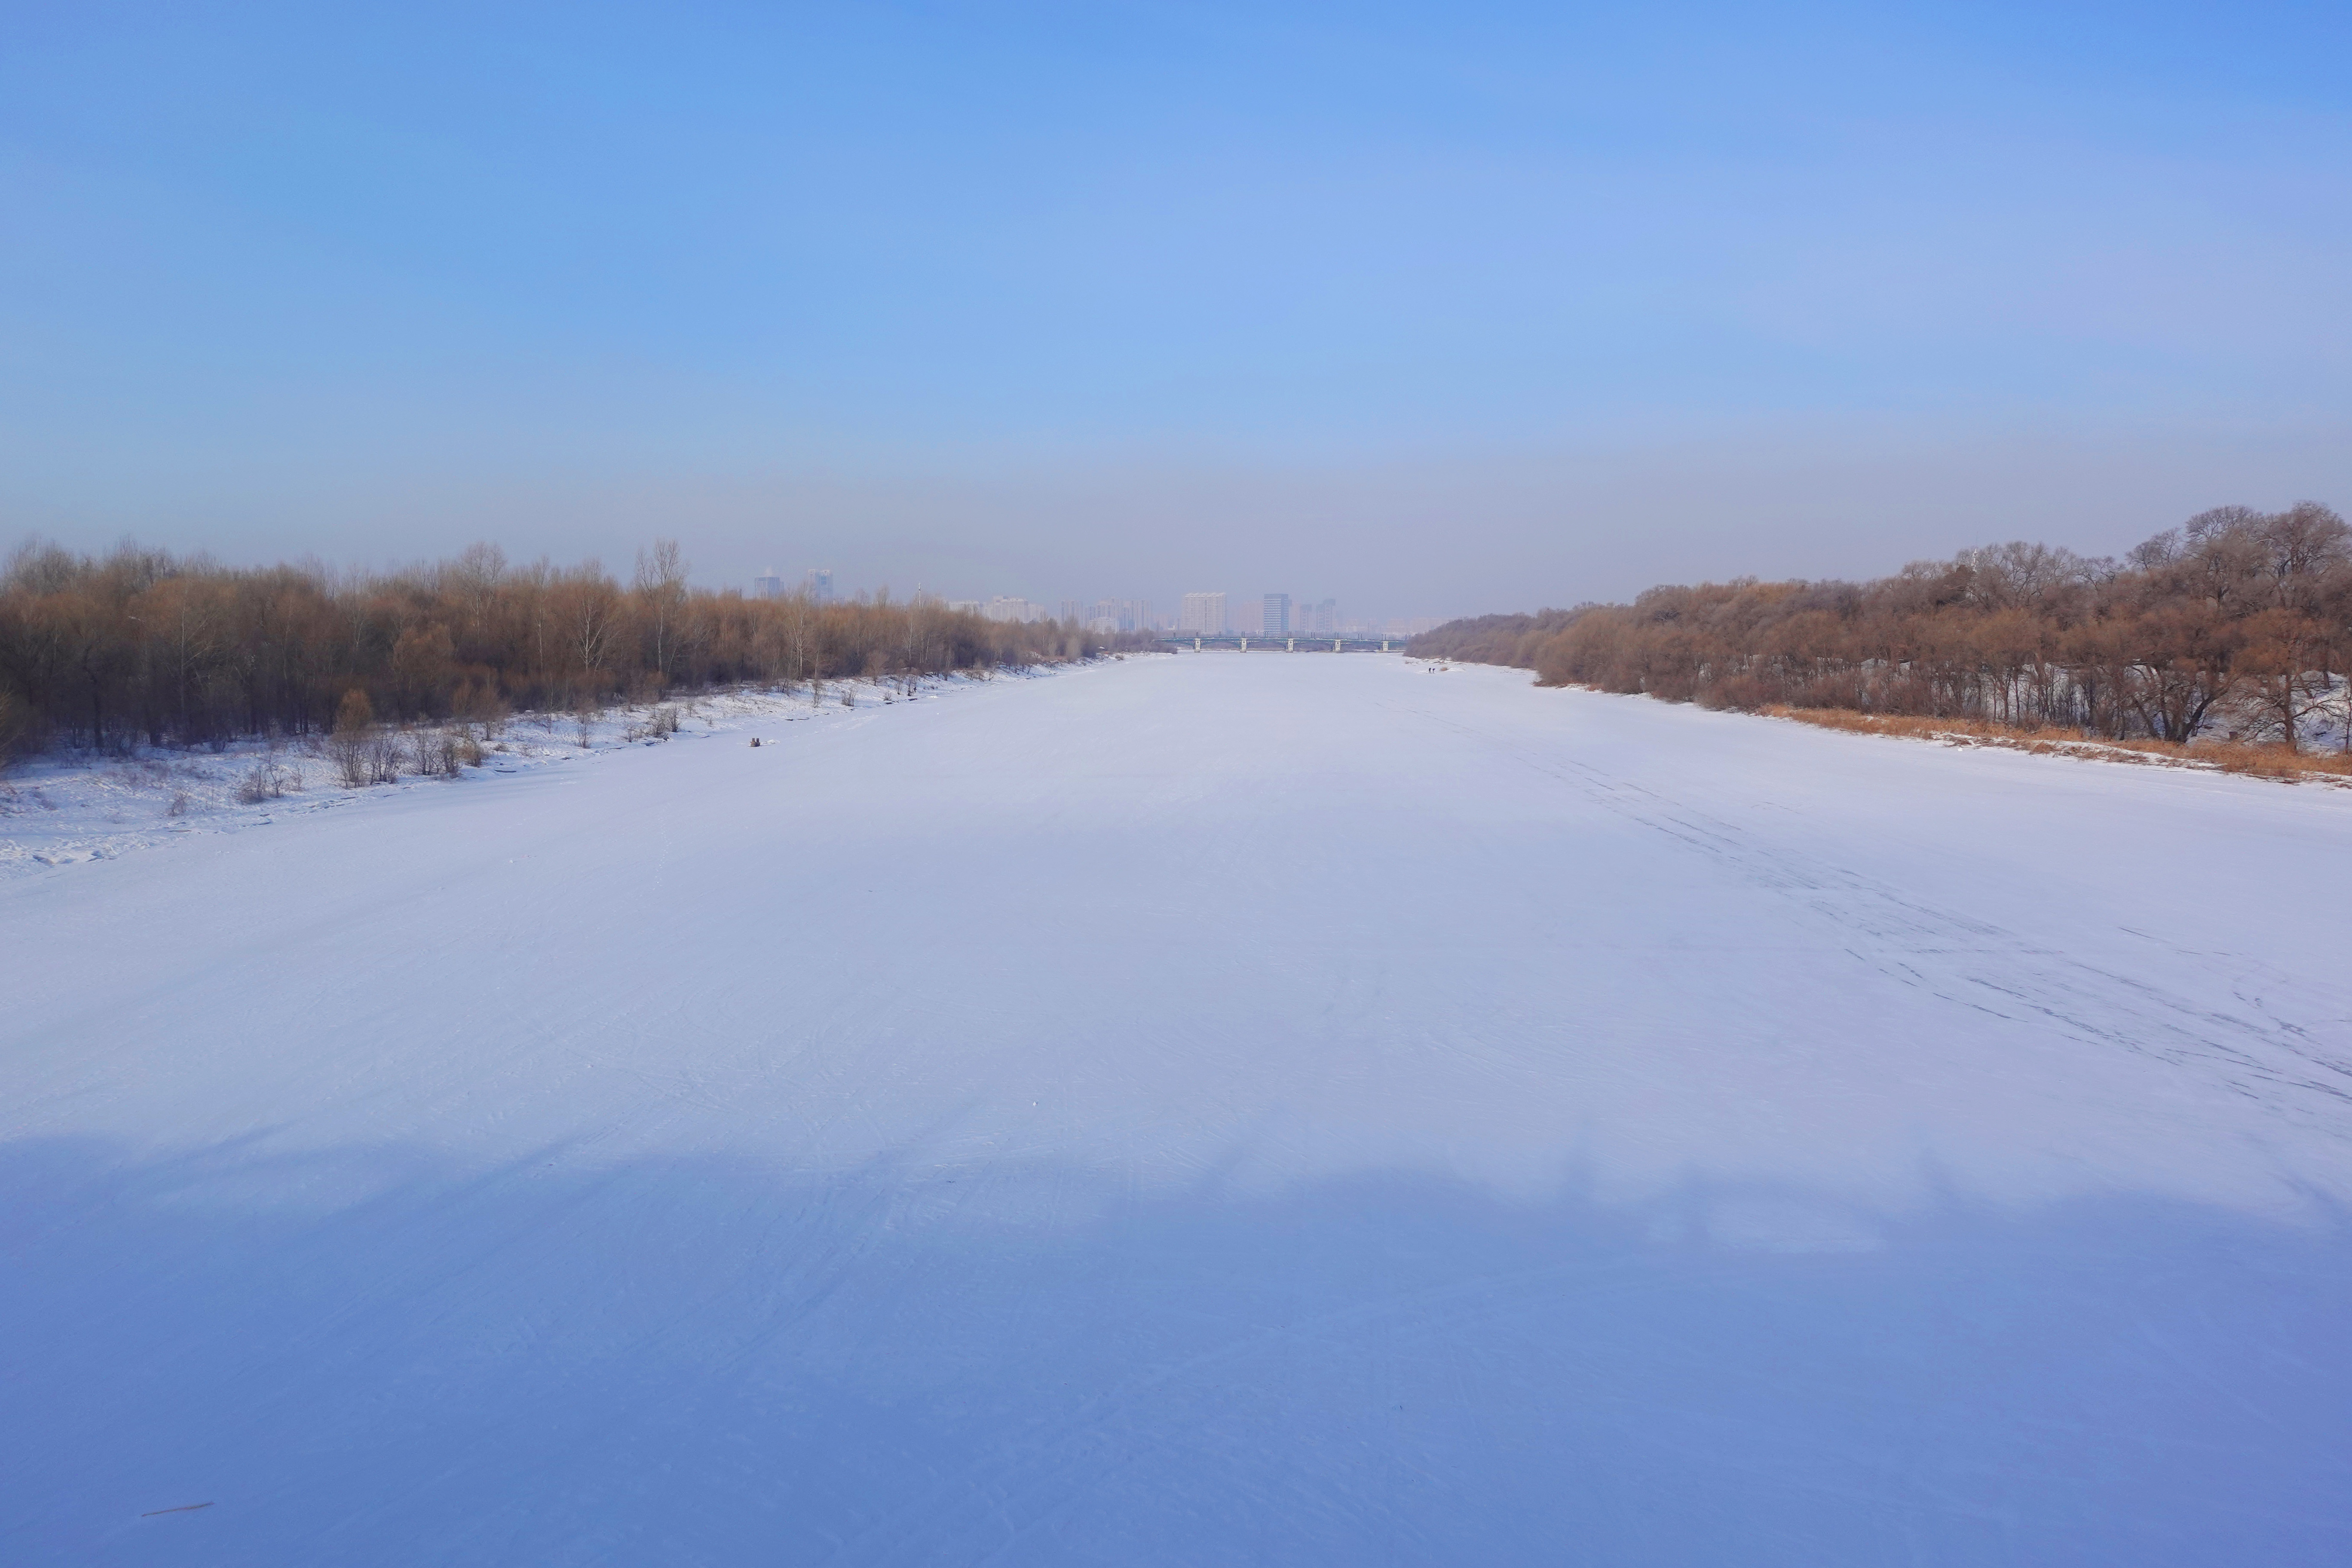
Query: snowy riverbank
(63, 809)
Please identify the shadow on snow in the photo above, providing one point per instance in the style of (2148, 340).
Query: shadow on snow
(377, 1359)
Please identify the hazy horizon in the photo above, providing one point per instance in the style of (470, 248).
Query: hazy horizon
(1432, 318)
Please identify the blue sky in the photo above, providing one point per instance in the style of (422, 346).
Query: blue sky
(1436, 308)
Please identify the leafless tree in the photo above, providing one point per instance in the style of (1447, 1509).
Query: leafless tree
(139, 646)
(2234, 613)
(662, 602)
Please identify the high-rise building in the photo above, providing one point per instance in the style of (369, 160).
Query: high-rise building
(1103, 615)
(769, 586)
(1320, 620)
(1274, 620)
(819, 584)
(1013, 608)
(964, 606)
(1203, 612)
(1073, 611)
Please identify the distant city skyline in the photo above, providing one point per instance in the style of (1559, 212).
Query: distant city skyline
(1210, 611)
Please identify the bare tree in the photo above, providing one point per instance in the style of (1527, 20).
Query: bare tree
(349, 747)
(2284, 662)
(661, 596)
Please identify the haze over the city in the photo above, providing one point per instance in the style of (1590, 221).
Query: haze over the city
(1429, 311)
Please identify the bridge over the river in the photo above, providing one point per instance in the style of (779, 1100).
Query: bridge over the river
(1252, 642)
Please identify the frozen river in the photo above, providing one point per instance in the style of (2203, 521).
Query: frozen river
(1203, 1108)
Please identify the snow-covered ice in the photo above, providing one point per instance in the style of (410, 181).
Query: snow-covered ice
(1202, 1108)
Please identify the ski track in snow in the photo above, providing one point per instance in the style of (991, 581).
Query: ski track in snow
(1972, 963)
(1218, 1107)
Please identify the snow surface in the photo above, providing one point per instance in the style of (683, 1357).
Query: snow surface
(1215, 1108)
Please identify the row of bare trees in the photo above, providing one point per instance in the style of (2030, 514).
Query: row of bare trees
(139, 646)
(2236, 615)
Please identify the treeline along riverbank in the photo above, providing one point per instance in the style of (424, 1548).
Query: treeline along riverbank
(139, 646)
(2239, 618)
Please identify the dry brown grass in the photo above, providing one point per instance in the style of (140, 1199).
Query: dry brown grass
(2269, 761)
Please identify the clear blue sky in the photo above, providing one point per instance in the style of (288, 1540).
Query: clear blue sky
(1437, 308)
